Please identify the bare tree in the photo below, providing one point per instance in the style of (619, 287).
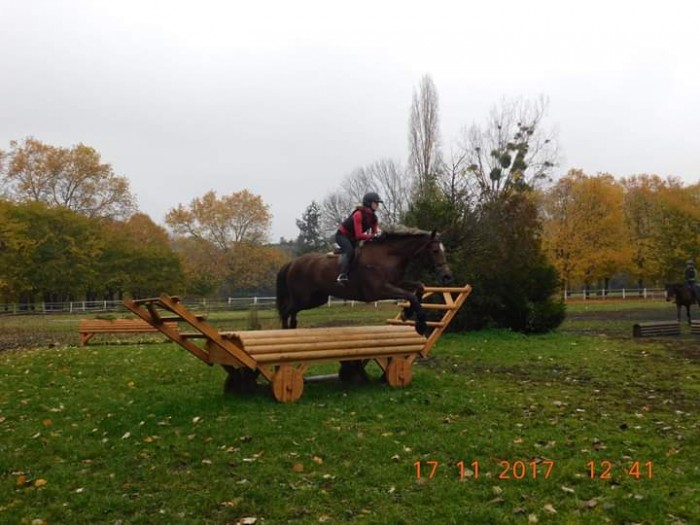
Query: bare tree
(514, 151)
(424, 135)
(386, 177)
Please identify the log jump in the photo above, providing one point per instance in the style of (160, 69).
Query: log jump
(656, 328)
(283, 356)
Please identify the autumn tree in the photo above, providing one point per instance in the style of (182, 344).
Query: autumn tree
(253, 268)
(513, 152)
(223, 221)
(585, 232)
(137, 259)
(676, 232)
(74, 178)
(47, 253)
(231, 231)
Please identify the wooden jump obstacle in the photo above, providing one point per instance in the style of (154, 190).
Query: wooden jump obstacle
(89, 327)
(656, 328)
(695, 327)
(283, 356)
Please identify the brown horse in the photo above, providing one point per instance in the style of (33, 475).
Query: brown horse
(683, 296)
(377, 273)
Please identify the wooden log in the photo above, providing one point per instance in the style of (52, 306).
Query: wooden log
(656, 328)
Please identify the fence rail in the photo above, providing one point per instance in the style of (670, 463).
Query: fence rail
(98, 307)
(615, 294)
(245, 303)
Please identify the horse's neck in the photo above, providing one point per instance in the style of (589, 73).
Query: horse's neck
(397, 252)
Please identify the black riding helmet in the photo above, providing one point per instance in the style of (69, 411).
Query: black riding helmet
(369, 198)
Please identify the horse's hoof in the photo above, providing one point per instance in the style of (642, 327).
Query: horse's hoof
(421, 328)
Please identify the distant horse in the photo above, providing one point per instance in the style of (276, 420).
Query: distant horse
(377, 273)
(683, 296)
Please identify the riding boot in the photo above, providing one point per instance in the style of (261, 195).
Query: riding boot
(344, 264)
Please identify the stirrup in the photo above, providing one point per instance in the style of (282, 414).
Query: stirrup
(342, 278)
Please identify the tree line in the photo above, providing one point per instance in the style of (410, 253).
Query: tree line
(69, 226)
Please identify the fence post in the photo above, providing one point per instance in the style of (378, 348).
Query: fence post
(329, 301)
(623, 293)
(645, 293)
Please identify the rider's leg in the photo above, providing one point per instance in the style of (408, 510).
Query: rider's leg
(347, 255)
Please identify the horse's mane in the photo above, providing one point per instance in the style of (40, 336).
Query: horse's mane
(399, 231)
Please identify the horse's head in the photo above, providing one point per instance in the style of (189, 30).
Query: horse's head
(671, 291)
(438, 259)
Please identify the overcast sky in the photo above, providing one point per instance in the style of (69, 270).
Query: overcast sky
(286, 98)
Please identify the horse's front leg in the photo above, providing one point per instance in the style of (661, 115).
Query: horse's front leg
(687, 309)
(678, 312)
(419, 291)
(390, 291)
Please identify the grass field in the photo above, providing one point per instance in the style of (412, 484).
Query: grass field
(585, 425)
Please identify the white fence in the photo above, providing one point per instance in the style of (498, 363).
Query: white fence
(615, 294)
(96, 307)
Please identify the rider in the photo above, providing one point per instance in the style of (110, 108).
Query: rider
(361, 224)
(691, 277)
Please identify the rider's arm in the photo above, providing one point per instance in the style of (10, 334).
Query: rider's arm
(357, 220)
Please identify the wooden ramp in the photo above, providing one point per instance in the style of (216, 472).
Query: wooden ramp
(283, 356)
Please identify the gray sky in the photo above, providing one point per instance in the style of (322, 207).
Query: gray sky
(284, 98)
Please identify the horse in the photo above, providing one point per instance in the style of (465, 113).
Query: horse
(683, 296)
(378, 272)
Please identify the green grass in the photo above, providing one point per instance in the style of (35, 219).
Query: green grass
(141, 433)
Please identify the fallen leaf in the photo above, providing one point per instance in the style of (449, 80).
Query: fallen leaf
(318, 460)
(532, 518)
(40, 483)
(47, 422)
(21, 480)
(298, 467)
(567, 489)
(550, 508)
(247, 521)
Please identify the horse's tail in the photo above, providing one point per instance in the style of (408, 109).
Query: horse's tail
(282, 290)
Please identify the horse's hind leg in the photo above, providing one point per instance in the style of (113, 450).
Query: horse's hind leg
(293, 320)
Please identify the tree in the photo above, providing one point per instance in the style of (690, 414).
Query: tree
(203, 264)
(47, 252)
(310, 237)
(74, 178)
(253, 268)
(513, 152)
(223, 221)
(137, 260)
(424, 135)
(585, 232)
(386, 177)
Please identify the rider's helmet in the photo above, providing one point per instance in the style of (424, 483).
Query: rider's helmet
(369, 198)
(690, 262)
